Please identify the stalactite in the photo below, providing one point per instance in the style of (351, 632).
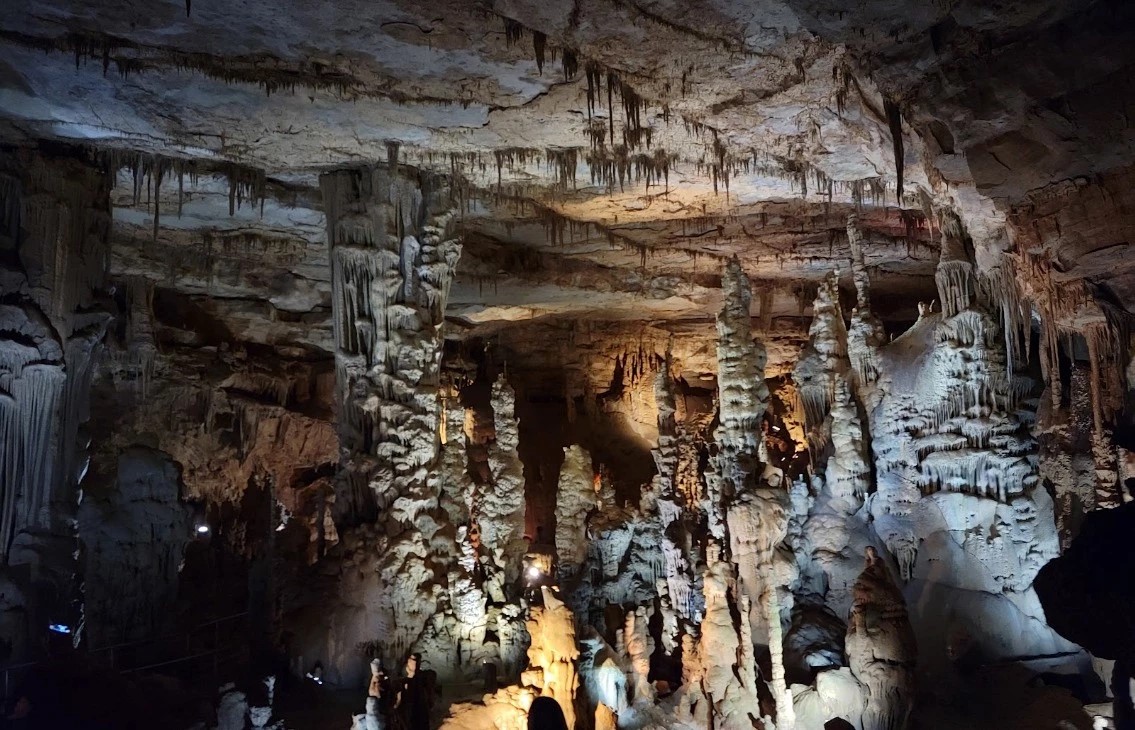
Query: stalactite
(894, 123)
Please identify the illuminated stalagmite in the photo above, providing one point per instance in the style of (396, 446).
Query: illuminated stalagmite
(575, 500)
(742, 398)
(881, 647)
(392, 261)
(499, 506)
(553, 654)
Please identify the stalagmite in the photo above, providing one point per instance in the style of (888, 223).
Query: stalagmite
(499, 507)
(670, 503)
(881, 647)
(824, 359)
(723, 670)
(742, 398)
(639, 647)
(865, 334)
(553, 654)
(392, 262)
(575, 500)
(848, 472)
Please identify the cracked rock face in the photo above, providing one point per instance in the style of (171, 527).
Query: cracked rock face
(583, 349)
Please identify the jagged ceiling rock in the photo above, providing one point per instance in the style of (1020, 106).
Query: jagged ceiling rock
(610, 153)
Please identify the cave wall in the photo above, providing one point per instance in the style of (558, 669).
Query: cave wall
(56, 225)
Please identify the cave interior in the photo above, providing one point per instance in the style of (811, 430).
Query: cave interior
(733, 364)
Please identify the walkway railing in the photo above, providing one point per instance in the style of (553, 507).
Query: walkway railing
(115, 655)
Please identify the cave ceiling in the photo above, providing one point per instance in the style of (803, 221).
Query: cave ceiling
(607, 155)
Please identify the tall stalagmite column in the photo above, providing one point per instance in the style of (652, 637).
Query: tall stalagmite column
(881, 647)
(742, 398)
(499, 507)
(575, 501)
(393, 257)
(865, 335)
(681, 598)
(54, 228)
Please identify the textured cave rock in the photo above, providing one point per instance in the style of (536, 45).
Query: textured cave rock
(57, 215)
(582, 349)
(134, 538)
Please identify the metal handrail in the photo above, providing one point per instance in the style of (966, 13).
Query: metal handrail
(157, 639)
(7, 670)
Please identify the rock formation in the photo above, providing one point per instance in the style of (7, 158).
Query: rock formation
(581, 350)
(499, 508)
(553, 655)
(575, 500)
(881, 647)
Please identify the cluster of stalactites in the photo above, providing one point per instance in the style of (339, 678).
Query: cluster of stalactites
(392, 262)
(996, 291)
(57, 217)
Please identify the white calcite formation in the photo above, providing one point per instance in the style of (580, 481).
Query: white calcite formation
(498, 509)
(673, 498)
(824, 359)
(719, 670)
(865, 333)
(392, 261)
(467, 598)
(637, 646)
(575, 501)
(959, 503)
(847, 476)
(881, 648)
(742, 399)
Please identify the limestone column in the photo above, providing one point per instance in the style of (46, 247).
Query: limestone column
(54, 229)
(393, 257)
